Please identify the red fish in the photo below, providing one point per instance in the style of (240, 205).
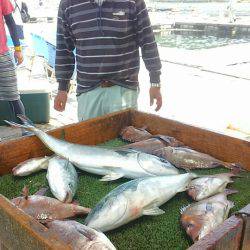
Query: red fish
(200, 218)
(79, 236)
(46, 209)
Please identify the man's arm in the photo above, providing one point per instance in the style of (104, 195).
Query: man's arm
(149, 51)
(10, 22)
(65, 58)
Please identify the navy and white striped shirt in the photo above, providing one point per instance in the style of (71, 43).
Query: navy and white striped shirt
(104, 41)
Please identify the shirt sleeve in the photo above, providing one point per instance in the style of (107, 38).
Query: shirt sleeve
(65, 58)
(146, 40)
(10, 22)
(7, 7)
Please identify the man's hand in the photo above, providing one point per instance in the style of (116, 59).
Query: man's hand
(155, 94)
(19, 57)
(60, 100)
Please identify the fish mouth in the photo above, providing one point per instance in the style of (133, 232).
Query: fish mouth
(68, 197)
(192, 225)
(15, 170)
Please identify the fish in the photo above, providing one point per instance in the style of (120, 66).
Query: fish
(139, 136)
(200, 218)
(111, 163)
(210, 185)
(62, 178)
(134, 199)
(152, 145)
(133, 134)
(78, 236)
(186, 158)
(45, 209)
(30, 166)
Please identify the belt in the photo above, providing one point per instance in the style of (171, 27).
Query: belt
(106, 84)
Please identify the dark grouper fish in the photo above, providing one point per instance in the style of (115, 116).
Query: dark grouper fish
(78, 236)
(187, 158)
(136, 198)
(113, 164)
(152, 145)
(200, 218)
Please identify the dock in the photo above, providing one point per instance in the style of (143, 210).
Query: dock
(203, 24)
(214, 27)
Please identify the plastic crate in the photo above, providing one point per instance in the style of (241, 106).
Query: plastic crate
(51, 54)
(36, 103)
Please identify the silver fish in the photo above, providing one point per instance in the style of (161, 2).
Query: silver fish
(134, 199)
(200, 218)
(31, 166)
(113, 164)
(78, 236)
(62, 178)
(207, 186)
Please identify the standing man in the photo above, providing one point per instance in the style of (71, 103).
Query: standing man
(8, 79)
(102, 37)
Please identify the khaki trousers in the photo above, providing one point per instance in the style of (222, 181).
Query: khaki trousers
(101, 101)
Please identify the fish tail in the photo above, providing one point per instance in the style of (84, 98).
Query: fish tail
(26, 121)
(235, 167)
(79, 210)
(25, 126)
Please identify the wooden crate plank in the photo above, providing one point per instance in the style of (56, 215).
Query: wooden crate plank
(220, 146)
(246, 237)
(20, 231)
(226, 236)
(2, 247)
(91, 132)
(245, 215)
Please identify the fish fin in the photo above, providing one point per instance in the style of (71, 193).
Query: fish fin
(231, 204)
(67, 163)
(86, 233)
(153, 211)
(41, 191)
(230, 191)
(125, 152)
(25, 192)
(75, 202)
(183, 208)
(45, 164)
(111, 177)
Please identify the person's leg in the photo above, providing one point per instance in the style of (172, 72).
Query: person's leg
(119, 98)
(101, 101)
(17, 107)
(90, 104)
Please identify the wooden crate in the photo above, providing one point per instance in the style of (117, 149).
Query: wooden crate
(17, 230)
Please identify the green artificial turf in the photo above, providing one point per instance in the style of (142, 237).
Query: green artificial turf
(148, 232)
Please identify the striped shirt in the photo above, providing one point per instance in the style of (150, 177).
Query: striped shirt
(103, 41)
